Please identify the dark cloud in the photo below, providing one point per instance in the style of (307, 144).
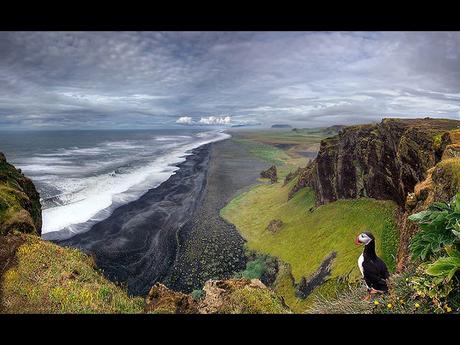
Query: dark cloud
(122, 79)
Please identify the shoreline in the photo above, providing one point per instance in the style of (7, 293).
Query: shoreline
(69, 219)
(136, 244)
(209, 246)
(167, 234)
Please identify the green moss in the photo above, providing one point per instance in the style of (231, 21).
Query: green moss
(12, 212)
(197, 294)
(17, 194)
(253, 301)
(68, 283)
(254, 269)
(437, 140)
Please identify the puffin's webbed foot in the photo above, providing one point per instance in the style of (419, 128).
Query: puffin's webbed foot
(368, 297)
(374, 292)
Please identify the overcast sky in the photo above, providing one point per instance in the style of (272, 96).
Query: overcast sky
(148, 79)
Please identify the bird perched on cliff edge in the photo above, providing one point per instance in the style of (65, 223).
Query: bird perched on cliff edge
(373, 269)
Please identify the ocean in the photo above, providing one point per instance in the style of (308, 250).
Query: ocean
(83, 175)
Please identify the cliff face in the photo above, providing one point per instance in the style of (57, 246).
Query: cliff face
(20, 207)
(442, 182)
(381, 161)
(412, 162)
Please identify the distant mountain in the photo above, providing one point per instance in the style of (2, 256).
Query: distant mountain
(249, 124)
(332, 130)
(335, 129)
(281, 126)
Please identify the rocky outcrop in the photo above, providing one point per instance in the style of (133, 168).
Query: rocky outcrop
(162, 300)
(231, 296)
(442, 182)
(20, 207)
(275, 225)
(381, 161)
(305, 179)
(270, 173)
(412, 162)
(307, 285)
(292, 175)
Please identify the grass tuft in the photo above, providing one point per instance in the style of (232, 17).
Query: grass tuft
(66, 284)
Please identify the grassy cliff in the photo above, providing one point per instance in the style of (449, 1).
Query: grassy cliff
(19, 201)
(46, 278)
(38, 276)
(306, 238)
(308, 234)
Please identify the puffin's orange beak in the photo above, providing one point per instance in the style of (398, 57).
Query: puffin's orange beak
(357, 242)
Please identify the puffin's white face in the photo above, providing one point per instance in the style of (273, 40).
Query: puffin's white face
(363, 239)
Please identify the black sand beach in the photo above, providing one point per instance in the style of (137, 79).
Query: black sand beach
(211, 248)
(173, 233)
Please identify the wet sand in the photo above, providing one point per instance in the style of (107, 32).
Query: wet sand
(173, 233)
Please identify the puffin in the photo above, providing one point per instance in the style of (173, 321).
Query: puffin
(373, 269)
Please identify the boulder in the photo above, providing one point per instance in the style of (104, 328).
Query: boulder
(162, 300)
(275, 225)
(270, 173)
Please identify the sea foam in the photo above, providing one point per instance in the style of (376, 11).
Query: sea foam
(85, 200)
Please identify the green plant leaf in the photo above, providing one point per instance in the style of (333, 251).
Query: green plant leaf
(457, 202)
(452, 252)
(451, 273)
(417, 217)
(443, 267)
(441, 206)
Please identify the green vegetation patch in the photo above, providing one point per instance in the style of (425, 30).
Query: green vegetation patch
(452, 168)
(273, 155)
(437, 140)
(307, 237)
(265, 152)
(52, 279)
(254, 269)
(18, 210)
(253, 301)
(299, 136)
(197, 294)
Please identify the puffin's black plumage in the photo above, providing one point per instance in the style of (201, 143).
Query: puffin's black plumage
(374, 270)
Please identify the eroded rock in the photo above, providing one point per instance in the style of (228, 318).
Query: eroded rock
(163, 300)
(270, 173)
(381, 161)
(220, 297)
(275, 225)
